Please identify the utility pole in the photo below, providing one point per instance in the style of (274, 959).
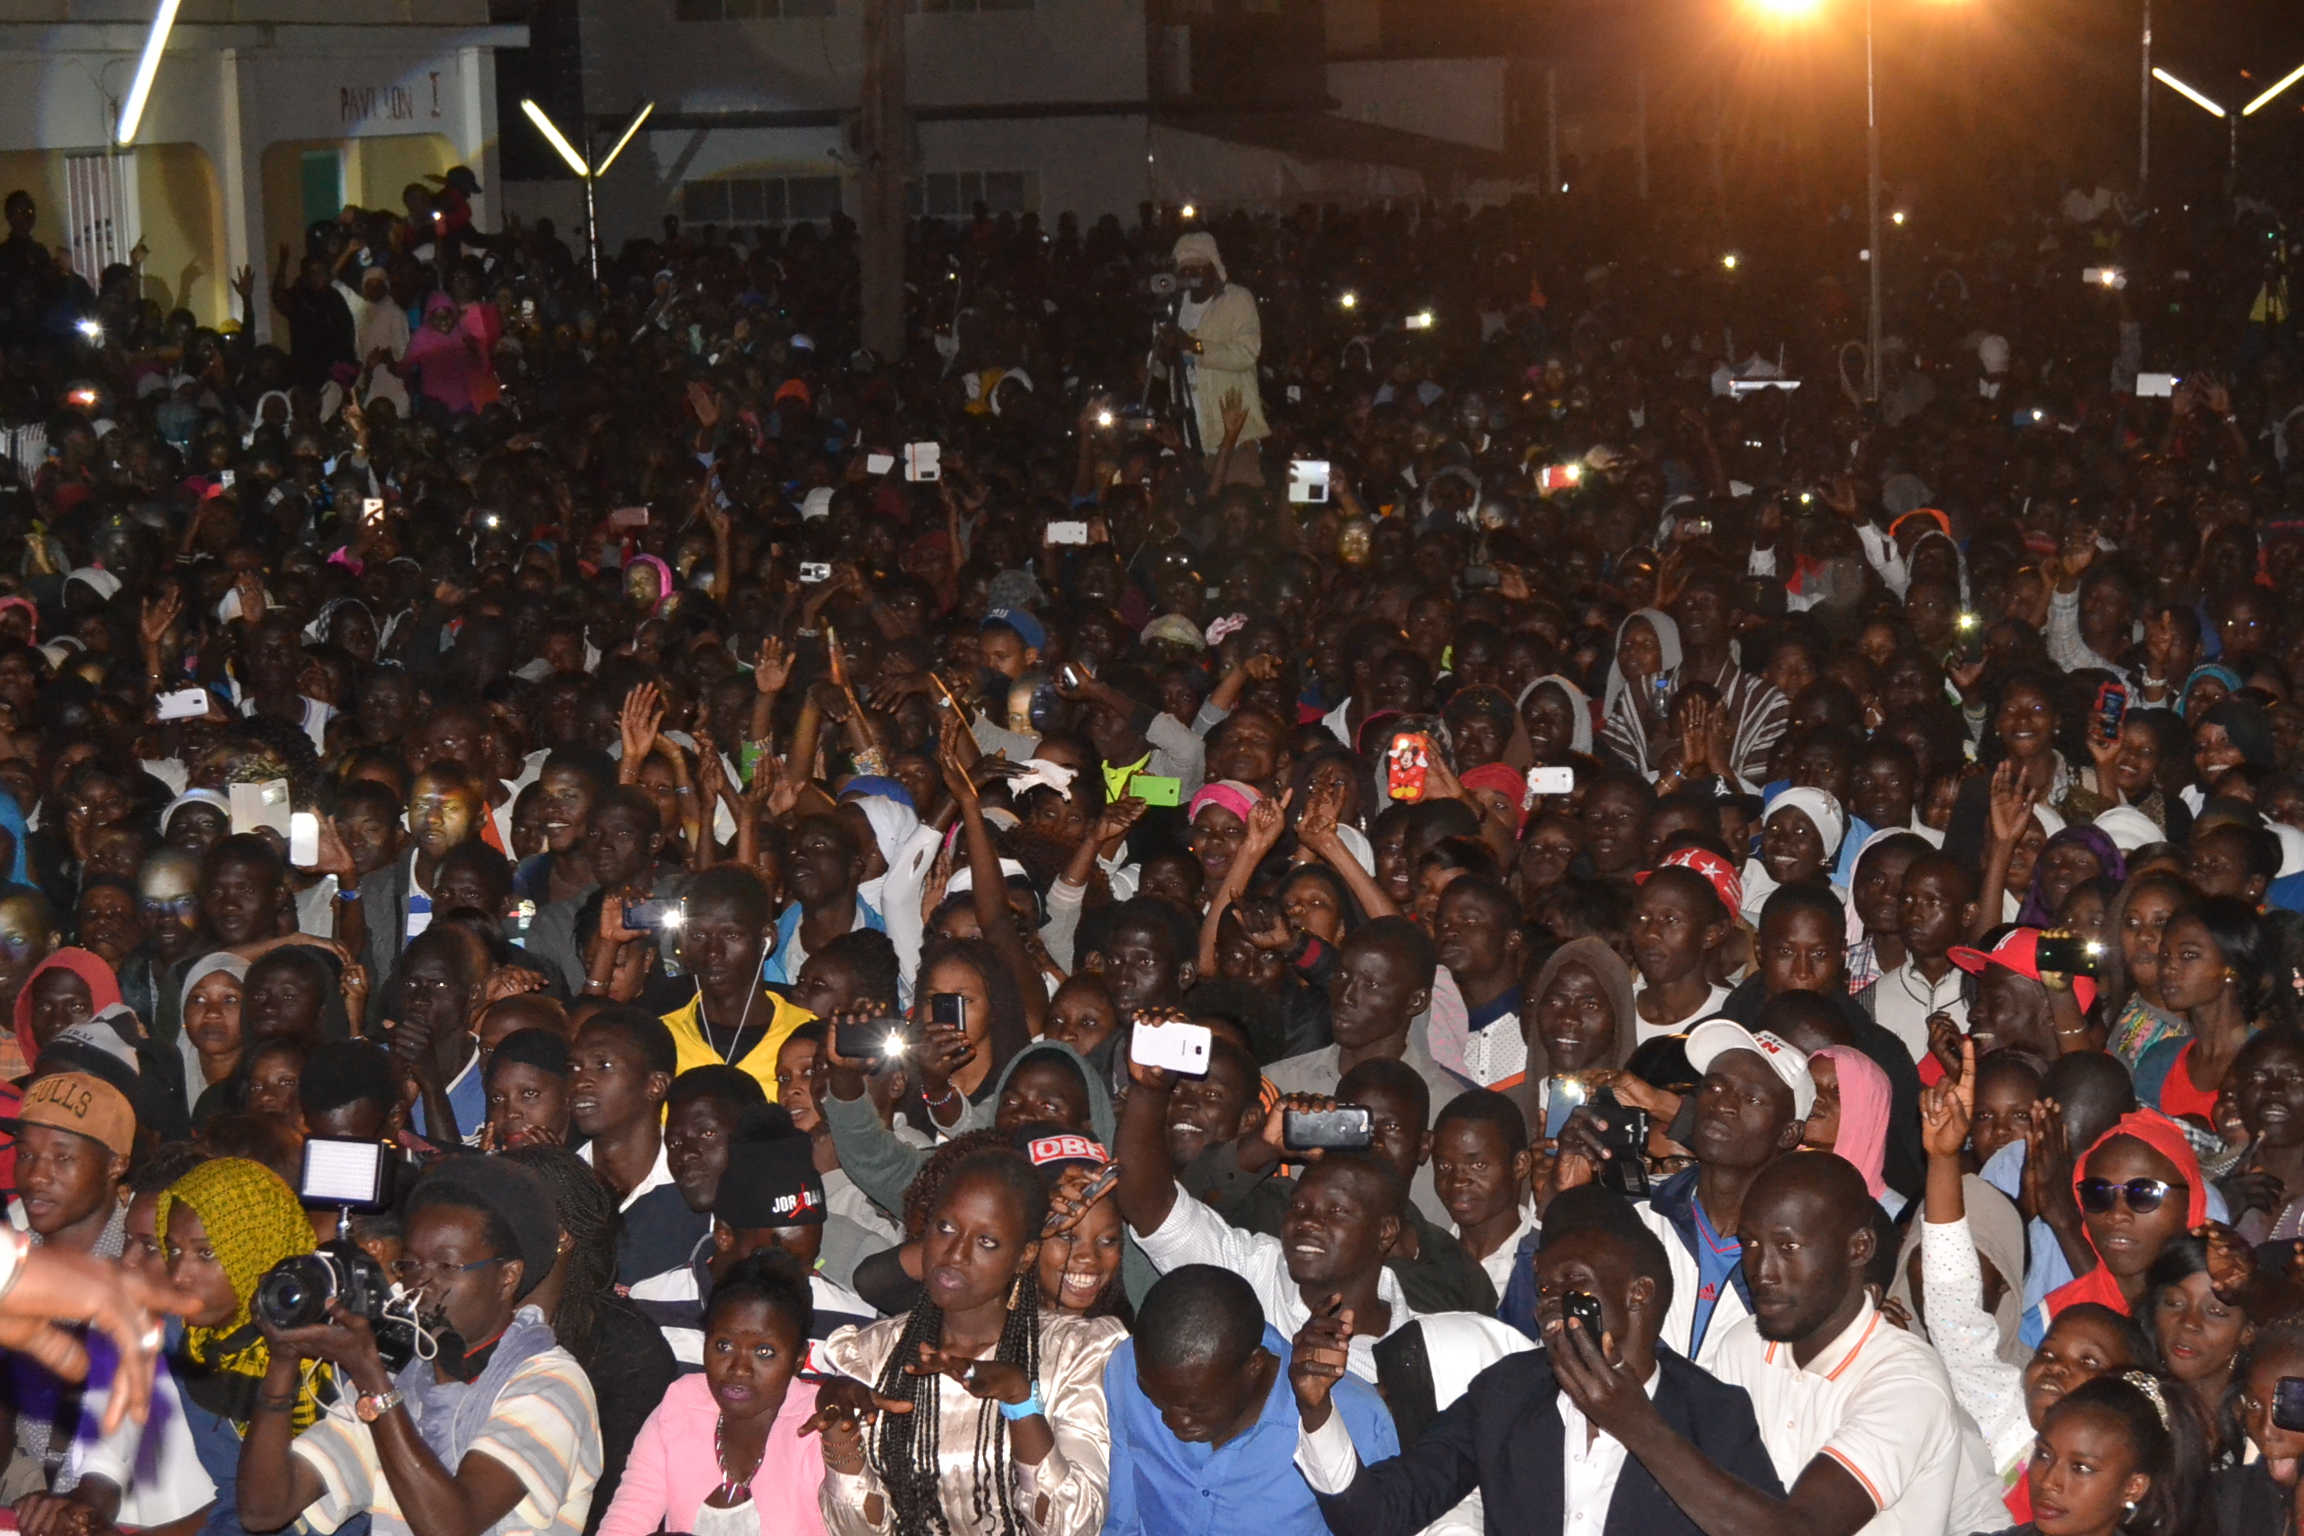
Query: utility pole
(883, 142)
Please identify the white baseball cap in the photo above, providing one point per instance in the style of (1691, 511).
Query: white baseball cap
(1714, 1038)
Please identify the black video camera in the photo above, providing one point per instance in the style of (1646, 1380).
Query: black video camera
(299, 1291)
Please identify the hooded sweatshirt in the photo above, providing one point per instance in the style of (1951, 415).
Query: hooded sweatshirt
(2165, 1137)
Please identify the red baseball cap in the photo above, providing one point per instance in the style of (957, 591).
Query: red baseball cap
(2019, 951)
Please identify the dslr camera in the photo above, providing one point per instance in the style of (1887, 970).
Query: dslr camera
(298, 1292)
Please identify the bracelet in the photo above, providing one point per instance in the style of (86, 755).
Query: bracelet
(595, 988)
(347, 893)
(1030, 1408)
(15, 1252)
(276, 1404)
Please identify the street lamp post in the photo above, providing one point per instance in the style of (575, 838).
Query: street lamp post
(585, 172)
(1872, 213)
(2231, 118)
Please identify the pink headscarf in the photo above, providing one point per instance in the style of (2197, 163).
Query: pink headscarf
(1234, 796)
(1863, 1138)
(666, 582)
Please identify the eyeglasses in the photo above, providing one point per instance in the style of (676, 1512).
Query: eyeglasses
(414, 1273)
(2142, 1196)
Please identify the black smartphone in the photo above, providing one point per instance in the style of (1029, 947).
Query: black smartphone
(2069, 953)
(947, 1008)
(1346, 1128)
(1585, 1308)
(2288, 1404)
(871, 1040)
(1626, 1170)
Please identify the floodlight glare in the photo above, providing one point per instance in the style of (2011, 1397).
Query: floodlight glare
(552, 137)
(638, 118)
(2189, 94)
(147, 66)
(2278, 86)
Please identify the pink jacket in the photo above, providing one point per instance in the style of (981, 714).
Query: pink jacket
(672, 1469)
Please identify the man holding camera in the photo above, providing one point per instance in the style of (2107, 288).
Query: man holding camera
(500, 1425)
(1212, 346)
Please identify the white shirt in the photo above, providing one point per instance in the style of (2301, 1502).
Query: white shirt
(1876, 1400)
(1458, 1346)
(1709, 1008)
(1590, 1466)
(1499, 1264)
(1195, 1234)
(1902, 1000)
(658, 1176)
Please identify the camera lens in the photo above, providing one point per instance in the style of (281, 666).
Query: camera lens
(295, 1292)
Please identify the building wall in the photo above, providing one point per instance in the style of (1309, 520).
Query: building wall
(1460, 100)
(217, 180)
(1063, 50)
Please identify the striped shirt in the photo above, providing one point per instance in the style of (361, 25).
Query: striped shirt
(1756, 711)
(544, 1429)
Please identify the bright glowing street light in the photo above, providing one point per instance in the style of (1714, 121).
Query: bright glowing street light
(2278, 86)
(2189, 94)
(588, 174)
(147, 66)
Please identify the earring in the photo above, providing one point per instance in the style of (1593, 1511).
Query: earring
(1015, 1292)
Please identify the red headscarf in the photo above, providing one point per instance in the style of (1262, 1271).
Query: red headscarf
(2165, 1137)
(103, 992)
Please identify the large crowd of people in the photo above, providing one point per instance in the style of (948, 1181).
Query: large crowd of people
(1373, 870)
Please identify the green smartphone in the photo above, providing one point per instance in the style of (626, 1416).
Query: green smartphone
(1156, 789)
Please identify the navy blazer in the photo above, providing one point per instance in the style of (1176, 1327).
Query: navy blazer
(1504, 1437)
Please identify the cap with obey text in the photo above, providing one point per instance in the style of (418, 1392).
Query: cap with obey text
(77, 1102)
(2018, 951)
(1714, 1038)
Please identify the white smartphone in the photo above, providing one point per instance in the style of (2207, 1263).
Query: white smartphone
(265, 804)
(1181, 1048)
(1551, 781)
(628, 517)
(2155, 386)
(371, 509)
(814, 571)
(225, 477)
(184, 704)
(1308, 480)
(303, 838)
(1067, 533)
(879, 463)
(923, 461)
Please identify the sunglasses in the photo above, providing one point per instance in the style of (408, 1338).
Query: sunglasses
(2142, 1196)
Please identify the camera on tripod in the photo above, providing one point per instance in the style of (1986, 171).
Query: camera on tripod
(1161, 285)
(301, 1290)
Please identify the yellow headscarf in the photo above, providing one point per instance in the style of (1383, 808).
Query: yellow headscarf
(253, 1222)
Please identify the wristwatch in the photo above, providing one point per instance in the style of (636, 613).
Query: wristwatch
(374, 1405)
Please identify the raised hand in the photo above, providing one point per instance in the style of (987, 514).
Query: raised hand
(773, 669)
(1318, 1358)
(637, 724)
(1948, 1105)
(2012, 802)
(159, 616)
(993, 1380)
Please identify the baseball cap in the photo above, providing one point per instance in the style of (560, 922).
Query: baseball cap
(75, 1101)
(2018, 951)
(1030, 628)
(1714, 1038)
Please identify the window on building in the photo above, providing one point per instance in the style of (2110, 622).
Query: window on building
(955, 194)
(752, 10)
(776, 200)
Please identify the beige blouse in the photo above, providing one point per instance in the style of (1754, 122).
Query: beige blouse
(1063, 1496)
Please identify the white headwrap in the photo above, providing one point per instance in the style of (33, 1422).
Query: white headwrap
(1823, 813)
(1667, 643)
(1199, 246)
(211, 797)
(1578, 704)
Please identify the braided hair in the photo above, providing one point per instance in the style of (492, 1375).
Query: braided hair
(904, 1448)
(589, 1217)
